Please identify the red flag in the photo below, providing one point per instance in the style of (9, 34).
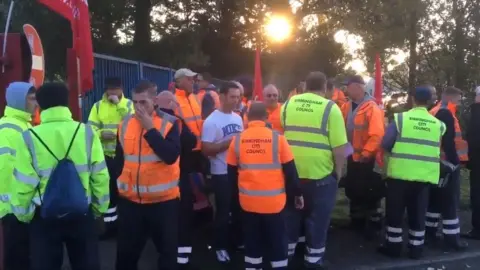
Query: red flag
(378, 81)
(257, 82)
(76, 11)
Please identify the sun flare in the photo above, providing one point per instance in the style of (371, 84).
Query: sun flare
(278, 28)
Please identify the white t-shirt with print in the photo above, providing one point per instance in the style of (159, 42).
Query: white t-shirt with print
(219, 127)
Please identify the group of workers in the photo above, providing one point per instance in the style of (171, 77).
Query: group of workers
(274, 170)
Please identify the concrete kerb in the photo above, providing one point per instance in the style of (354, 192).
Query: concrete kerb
(407, 264)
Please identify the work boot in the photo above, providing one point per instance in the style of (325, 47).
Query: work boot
(432, 239)
(389, 251)
(453, 243)
(415, 253)
(474, 234)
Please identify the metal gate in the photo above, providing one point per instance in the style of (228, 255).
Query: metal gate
(131, 72)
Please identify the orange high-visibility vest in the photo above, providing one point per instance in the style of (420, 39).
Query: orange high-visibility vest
(339, 97)
(261, 181)
(36, 117)
(190, 110)
(460, 144)
(201, 94)
(368, 128)
(273, 118)
(145, 178)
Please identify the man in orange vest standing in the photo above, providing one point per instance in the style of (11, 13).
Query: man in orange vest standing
(261, 162)
(444, 199)
(365, 129)
(190, 111)
(207, 95)
(270, 96)
(148, 151)
(335, 94)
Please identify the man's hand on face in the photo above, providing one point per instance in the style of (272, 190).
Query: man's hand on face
(114, 99)
(108, 135)
(145, 119)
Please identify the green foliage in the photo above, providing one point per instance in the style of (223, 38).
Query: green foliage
(441, 38)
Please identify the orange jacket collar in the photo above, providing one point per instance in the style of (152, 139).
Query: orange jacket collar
(181, 93)
(257, 123)
(450, 106)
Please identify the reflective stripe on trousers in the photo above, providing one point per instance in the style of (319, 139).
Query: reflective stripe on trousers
(183, 256)
(432, 219)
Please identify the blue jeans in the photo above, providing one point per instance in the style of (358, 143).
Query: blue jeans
(319, 196)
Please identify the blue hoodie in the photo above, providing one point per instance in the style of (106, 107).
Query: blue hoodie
(16, 95)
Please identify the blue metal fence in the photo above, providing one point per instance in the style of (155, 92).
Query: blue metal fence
(131, 73)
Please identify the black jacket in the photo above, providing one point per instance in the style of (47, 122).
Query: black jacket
(473, 136)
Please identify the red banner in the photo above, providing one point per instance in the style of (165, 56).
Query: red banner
(76, 11)
(378, 90)
(257, 83)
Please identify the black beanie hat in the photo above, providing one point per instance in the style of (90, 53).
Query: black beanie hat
(52, 95)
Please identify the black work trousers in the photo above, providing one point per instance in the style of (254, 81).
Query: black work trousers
(364, 188)
(443, 204)
(475, 197)
(48, 237)
(412, 196)
(265, 236)
(137, 222)
(186, 228)
(17, 244)
(110, 217)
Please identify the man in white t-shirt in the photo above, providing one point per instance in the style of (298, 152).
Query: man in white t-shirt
(218, 130)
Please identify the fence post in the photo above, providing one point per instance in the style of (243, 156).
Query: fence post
(140, 70)
(73, 78)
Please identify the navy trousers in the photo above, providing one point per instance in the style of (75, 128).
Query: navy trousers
(138, 222)
(265, 236)
(17, 244)
(48, 237)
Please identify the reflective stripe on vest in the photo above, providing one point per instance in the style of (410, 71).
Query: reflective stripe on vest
(8, 150)
(322, 130)
(142, 158)
(351, 126)
(190, 118)
(275, 165)
(148, 189)
(423, 142)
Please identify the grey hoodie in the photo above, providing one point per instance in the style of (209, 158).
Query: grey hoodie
(16, 95)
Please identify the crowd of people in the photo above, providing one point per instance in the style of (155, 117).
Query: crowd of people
(141, 165)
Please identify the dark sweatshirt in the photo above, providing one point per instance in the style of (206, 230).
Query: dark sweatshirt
(448, 139)
(167, 149)
(292, 183)
(473, 136)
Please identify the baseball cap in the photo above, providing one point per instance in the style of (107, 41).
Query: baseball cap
(184, 72)
(354, 79)
(423, 94)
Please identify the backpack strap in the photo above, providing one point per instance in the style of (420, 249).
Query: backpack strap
(43, 143)
(73, 138)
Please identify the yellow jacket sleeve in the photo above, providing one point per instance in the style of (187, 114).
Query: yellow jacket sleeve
(93, 119)
(99, 179)
(7, 162)
(24, 184)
